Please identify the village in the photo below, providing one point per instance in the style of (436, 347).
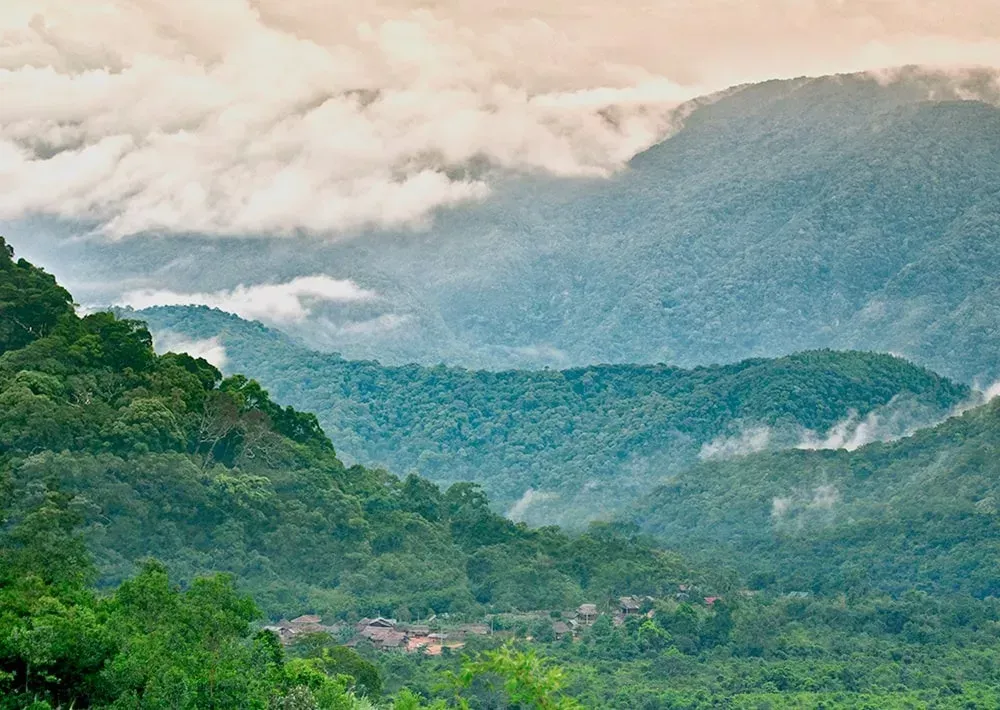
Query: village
(437, 635)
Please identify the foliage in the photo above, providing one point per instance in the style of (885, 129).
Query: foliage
(152, 645)
(920, 513)
(527, 680)
(31, 303)
(760, 651)
(162, 456)
(569, 445)
(107, 447)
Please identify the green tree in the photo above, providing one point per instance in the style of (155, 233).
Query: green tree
(31, 302)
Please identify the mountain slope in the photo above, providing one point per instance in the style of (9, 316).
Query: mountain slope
(849, 212)
(917, 513)
(573, 444)
(159, 455)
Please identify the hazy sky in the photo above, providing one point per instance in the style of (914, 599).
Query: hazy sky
(284, 116)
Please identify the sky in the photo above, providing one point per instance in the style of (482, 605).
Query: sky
(291, 117)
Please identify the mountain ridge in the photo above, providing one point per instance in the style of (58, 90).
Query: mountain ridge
(918, 513)
(845, 212)
(567, 439)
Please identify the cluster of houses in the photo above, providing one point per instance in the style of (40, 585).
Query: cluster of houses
(391, 635)
(587, 614)
(384, 634)
(288, 631)
(572, 622)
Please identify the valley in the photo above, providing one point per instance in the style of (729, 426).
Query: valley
(742, 580)
(472, 356)
(571, 446)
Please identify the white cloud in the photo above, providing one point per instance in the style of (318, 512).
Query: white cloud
(850, 434)
(989, 393)
(290, 302)
(901, 417)
(373, 326)
(211, 349)
(281, 116)
(825, 497)
(805, 503)
(747, 441)
(531, 497)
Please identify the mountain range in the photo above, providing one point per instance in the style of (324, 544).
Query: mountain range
(853, 212)
(571, 445)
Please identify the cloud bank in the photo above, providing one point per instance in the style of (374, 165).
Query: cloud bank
(289, 116)
(285, 303)
(748, 440)
(901, 417)
(531, 497)
(211, 349)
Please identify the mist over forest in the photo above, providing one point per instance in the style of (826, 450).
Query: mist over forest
(499, 356)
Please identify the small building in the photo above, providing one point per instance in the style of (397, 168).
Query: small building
(630, 605)
(392, 641)
(586, 613)
(377, 623)
(376, 633)
(561, 629)
(384, 639)
(382, 622)
(288, 631)
(710, 601)
(283, 630)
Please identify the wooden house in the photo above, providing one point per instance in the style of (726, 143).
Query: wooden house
(587, 613)
(629, 605)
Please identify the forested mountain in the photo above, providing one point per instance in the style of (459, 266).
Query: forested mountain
(159, 455)
(113, 453)
(563, 446)
(919, 513)
(846, 212)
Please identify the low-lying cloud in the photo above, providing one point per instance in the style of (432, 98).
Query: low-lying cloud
(805, 505)
(285, 303)
(746, 441)
(288, 116)
(901, 417)
(854, 432)
(530, 498)
(385, 323)
(211, 349)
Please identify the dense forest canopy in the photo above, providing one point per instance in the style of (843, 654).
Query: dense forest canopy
(920, 513)
(574, 444)
(162, 456)
(111, 454)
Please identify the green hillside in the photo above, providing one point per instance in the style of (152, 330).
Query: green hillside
(567, 444)
(111, 454)
(920, 513)
(161, 456)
